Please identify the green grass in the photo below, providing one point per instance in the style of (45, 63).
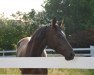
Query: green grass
(51, 71)
(70, 72)
(9, 71)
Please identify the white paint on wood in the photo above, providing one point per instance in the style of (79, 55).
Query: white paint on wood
(47, 62)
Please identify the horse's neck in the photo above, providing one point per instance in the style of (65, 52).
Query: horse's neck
(37, 43)
(35, 49)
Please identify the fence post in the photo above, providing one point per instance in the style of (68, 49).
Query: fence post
(3, 53)
(92, 51)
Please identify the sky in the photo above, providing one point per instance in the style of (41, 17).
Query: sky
(12, 6)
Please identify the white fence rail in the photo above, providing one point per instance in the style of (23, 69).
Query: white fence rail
(47, 62)
(88, 52)
(50, 62)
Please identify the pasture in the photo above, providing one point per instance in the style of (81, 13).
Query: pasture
(15, 71)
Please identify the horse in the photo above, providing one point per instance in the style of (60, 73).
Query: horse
(51, 36)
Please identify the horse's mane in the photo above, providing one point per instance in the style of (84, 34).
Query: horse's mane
(39, 35)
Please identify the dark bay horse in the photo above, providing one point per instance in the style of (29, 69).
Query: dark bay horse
(51, 36)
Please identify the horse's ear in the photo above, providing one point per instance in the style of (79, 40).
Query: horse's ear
(54, 21)
(61, 24)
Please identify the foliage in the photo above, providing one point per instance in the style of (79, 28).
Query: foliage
(77, 14)
(23, 25)
(11, 31)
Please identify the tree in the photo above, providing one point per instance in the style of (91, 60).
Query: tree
(23, 25)
(32, 14)
(18, 15)
(77, 14)
(41, 18)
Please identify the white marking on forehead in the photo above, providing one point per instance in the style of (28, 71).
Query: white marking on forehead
(63, 33)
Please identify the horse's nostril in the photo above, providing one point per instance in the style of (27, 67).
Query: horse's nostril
(72, 54)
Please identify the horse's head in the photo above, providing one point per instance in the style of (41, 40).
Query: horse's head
(56, 40)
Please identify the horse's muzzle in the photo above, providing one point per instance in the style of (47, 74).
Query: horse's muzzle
(70, 57)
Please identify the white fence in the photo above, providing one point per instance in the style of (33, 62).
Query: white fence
(47, 62)
(87, 52)
(82, 52)
(50, 62)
